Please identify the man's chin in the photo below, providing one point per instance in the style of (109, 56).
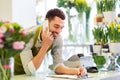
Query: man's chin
(55, 35)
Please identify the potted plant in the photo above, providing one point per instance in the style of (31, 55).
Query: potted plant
(99, 6)
(97, 33)
(109, 7)
(97, 36)
(113, 30)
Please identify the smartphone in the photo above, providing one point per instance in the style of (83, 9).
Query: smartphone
(45, 24)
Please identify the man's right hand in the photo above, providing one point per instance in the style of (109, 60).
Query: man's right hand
(47, 37)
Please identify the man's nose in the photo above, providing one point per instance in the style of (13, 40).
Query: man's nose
(59, 30)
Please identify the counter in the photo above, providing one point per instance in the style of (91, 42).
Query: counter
(113, 75)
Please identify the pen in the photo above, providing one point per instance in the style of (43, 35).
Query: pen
(83, 76)
(70, 78)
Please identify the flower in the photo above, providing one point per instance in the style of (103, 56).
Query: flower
(100, 35)
(97, 33)
(113, 31)
(12, 40)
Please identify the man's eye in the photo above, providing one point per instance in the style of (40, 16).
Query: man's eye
(56, 26)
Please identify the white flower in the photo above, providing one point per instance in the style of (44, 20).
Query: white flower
(3, 29)
(72, 1)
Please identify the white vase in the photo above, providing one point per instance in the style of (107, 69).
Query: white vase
(114, 48)
(97, 49)
(109, 16)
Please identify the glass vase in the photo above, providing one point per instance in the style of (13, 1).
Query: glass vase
(6, 68)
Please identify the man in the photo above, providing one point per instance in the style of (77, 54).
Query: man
(48, 38)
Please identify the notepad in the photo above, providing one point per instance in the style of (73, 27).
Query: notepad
(68, 76)
(63, 76)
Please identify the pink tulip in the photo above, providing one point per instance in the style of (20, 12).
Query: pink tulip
(7, 66)
(1, 41)
(11, 30)
(1, 46)
(2, 36)
(23, 32)
(18, 45)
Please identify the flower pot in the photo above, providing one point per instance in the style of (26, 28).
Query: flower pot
(114, 48)
(99, 18)
(6, 68)
(97, 49)
(109, 16)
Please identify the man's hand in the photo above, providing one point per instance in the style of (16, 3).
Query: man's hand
(83, 71)
(47, 37)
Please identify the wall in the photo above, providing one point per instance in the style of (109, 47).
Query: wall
(5, 10)
(21, 11)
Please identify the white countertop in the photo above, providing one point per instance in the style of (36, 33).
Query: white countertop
(92, 76)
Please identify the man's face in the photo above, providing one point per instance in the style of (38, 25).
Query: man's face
(56, 26)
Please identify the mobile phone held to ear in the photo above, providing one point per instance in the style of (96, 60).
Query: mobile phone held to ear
(45, 24)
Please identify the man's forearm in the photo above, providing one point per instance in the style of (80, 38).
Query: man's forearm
(66, 70)
(37, 60)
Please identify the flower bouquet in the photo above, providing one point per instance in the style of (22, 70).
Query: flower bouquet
(12, 40)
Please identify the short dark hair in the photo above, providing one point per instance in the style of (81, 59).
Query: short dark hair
(55, 12)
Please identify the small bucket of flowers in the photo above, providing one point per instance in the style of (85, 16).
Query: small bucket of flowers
(113, 29)
(12, 41)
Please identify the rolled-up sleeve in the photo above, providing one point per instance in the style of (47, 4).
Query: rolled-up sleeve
(26, 58)
(57, 52)
(26, 55)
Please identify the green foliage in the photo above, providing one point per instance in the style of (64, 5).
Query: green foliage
(99, 60)
(109, 5)
(88, 12)
(105, 5)
(99, 5)
(65, 3)
(118, 60)
(98, 34)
